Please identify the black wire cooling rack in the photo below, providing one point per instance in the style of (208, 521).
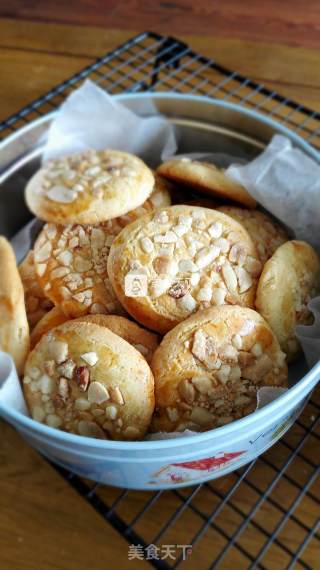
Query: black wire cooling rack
(265, 515)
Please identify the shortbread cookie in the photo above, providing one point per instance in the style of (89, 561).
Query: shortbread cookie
(84, 379)
(267, 234)
(37, 304)
(89, 187)
(142, 340)
(169, 264)
(289, 280)
(207, 370)
(49, 321)
(205, 177)
(71, 265)
(14, 328)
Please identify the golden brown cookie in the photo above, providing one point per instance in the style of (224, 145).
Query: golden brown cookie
(49, 321)
(267, 234)
(37, 304)
(159, 198)
(169, 264)
(207, 178)
(207, 369)
(14, 328)
(289, 280)
(89, 187)
(84, 379)
(71, 265)
(142, 340)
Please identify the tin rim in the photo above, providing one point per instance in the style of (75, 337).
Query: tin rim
(297, 392)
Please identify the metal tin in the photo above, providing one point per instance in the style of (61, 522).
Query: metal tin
(202, 124)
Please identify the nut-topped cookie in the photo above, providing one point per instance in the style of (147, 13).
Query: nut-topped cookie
(159, 198)
(169, 264)
(207, 369)
(71, 266)
(267, 234)
(89, 187)
(207, 178)
(142, 340)
(289, 280)
(37, 304)
(84, 379)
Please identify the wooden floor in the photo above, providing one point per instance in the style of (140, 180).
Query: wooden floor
(44, 524)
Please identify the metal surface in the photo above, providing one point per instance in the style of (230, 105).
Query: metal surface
(266, 515)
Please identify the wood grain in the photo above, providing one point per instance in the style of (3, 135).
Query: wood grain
(43, 522)
(35, 56)
(293, 21)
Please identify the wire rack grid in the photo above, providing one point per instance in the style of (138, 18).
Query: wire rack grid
(265, 515)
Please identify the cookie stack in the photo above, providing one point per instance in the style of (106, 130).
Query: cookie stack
(116, 267)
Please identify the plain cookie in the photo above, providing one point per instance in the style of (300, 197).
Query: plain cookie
(89, 188)
(84, 379)
(14, 328)
(169, 264)
(208, 369)
(289, 280)
(205, 177)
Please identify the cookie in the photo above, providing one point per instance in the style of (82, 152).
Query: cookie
(159, 198)
(289, 280)
(142, 340)
(84, 379)
(71, 266)
(89, 187)
(207, 369)
(14, 328)
(169, 264)
(267, 234)
(37, 304)
(49, 321)
(207, 178)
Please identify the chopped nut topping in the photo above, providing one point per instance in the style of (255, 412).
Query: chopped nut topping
(204, 348)
(82, 377)
(97, 393)
(66, 369)
(146, 245)
(165, 265)
(172, 414)
(58, 350)
(230, 277)
(61, 194)
(186, 391)
(111, 412)
(90, 358)
(187, 302)
(63, 389)
(38, 413)
(201, 416)
(179, 289)
(117, 396)
(206, 256)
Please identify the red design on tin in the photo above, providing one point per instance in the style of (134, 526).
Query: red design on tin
(209, 463)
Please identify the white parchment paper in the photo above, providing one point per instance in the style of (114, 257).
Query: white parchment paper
(90, 118)
(282, 178)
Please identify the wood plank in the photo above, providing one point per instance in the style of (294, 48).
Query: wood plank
(293, 21)
(46, 54)
(43, 523)
(30, 74)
